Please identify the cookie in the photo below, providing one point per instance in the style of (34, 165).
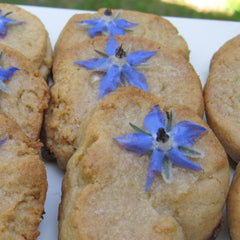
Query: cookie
(23, 183)
(76, 88)
(30, 37)
(104, 194)
(27, 92)
(221, 97)
(233, 206)
(232, 43)
(148, 26)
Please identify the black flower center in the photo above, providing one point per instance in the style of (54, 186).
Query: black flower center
(162, 136)
(120, 53)
(108, 12)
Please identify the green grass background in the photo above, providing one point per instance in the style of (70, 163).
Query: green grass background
(231, 12)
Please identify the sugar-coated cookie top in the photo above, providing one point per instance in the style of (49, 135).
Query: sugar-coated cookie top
(148, 26)
(29, 37)
(23, 182)
(28, 92)
(76, 88)
(109, 197)
(221, 96)
(233, 205)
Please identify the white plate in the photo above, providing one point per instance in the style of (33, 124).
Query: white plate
(204, 37)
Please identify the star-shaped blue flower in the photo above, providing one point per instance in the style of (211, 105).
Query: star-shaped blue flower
(107, 24)
(6, 75)
(172, 146)
(118, 66)
(4, 21)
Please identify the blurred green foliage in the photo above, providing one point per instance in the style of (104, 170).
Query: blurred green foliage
(233, 7)
(150, 6)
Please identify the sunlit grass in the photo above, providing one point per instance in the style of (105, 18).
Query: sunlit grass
(233, 7)
(160, 7)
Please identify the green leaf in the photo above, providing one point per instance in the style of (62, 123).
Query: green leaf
(13, 23)
(84, 26)
(6, 14)
(167, 170)
(169, 120)
(1, 54)
(3, 87)
(117, 15)
(137, 129)
(128, 30)
(190, 152)
(101, 53)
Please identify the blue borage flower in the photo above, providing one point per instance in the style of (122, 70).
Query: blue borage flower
(167, 145)
(6, 75)
(108, 24)
(4, 22)
(119, 67)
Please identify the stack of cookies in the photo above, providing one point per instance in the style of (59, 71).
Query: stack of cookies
(76, 89)
(25, 62)
(125, 121)
(146, 25)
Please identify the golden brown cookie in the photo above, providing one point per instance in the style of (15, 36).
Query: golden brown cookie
(23, 183)
(28, 92)
(233, 206)
(221, 97)
(149, 26)
(30, 37)
(232, 43)
(104, 193)
(76, 89)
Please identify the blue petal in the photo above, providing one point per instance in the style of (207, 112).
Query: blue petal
(98, 64)
(98, 28)
(114, 29)
(2, 74)
(3, 140)
(178, 158)
(138, 143)
(7, 74)
(3, 25)
(112, 45)
(155, 167)
(10, 71)
(90, 22)
(134, 77)
(8, 20)
(186, 133)
(122, 23)
(110, 81)
(139, 57)
(155, 120)
(150, 178)
(156, 160)
(3, 29)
